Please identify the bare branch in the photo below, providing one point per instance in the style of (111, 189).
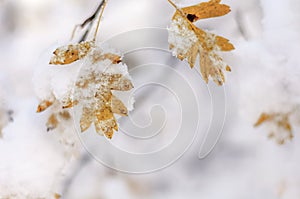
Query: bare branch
(99, 19)
(89, 21)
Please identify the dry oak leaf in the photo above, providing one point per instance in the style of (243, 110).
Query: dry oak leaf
(188, 41)
(281, 128)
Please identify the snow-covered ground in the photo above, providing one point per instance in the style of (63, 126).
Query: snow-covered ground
(35, 163)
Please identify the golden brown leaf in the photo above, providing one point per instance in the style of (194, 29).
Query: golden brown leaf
(44, 105)
(228, 69)
(71, 53)
(115, 59)
(100, 105)
(69, 104)
(205, 10)
(105, 121)
(93, 89)
(86, 119)
(263, 118)
(56, 118)
(118, 107)
(57, 196)
(190, 42)
(52, 122)
(65, 115)
(281, 128)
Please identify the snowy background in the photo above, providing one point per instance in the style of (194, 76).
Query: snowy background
(35, 163)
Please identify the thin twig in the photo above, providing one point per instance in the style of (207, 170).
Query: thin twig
(86, 33)
(99, 19)
(89, 21)
(173, 4)
(178, 9)
(182, 14)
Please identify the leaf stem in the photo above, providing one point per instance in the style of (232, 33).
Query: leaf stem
(99, 19)
(89, 21)
(178, 9)
(182, 13)
(173, 4)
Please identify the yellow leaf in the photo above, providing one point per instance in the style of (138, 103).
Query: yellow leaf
(56, 118)
(118, 107)
(279, 123)
(57, 115)
(263, 118)
(52, 122)
(44, 105)
(93, 89)
(65, 115)
(190, 42)
(86, 119)
(228, 69)
(57, 196)
(115, 59)
(205, 10)
(71, 53)
(100, 105)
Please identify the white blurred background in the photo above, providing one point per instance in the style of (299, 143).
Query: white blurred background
(244, 164)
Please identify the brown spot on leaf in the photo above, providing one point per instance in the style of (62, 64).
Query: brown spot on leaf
(207, 44)
(206, 10)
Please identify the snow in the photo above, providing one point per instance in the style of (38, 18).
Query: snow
(245, 164)
(181, 37)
